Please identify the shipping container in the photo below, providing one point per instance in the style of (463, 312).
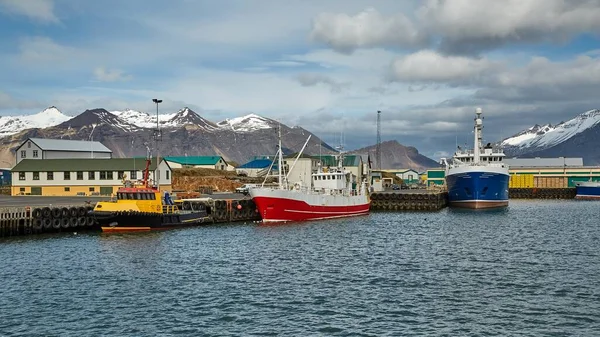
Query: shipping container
(549, 182)
(521, 181)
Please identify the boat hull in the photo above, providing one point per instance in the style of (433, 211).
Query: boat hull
(588, 190)
(139, 221)
(477, 187)
(280, 205)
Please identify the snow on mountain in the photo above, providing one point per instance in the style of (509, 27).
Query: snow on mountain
(186, 116)
(142, 119)
(99, 117)
(247, 123)
(543, 137)
(51, 116)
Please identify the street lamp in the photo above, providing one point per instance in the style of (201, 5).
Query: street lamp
(156, 138)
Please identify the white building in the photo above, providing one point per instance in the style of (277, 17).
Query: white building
(40, 148)
(71, 177)
(301, 172)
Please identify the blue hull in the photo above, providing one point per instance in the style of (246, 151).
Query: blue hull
(478, 189)
(587, 192)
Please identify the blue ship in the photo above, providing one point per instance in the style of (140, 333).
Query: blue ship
(588, 190)
(477, 178)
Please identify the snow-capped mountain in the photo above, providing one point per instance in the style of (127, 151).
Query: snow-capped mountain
(186, 116)
(564, 139)
(247, 123)
(98, 118)
(543, 137)
(51, 116)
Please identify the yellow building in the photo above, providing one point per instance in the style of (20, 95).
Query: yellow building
(537, 173)
(83, 177)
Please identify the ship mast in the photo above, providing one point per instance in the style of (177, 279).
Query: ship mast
(280, 161)
(478, 135)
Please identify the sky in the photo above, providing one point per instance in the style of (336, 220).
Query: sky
(325, 65)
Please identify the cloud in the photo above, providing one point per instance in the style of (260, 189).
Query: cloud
(312, 79)
(110, 75)
(427, 66)
(468, 27)
(459, 26)
(367, 29)
(39, 10)
(41, 49)
(8, 102)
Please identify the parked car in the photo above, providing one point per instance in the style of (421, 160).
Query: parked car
(244, 188)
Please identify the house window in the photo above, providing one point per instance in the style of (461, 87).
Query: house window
(92, 189)
(23, 154)
(133, 174)
(79, 175)
(50, 175)
(91, 175)
(102, 175)
(35, 153)
(67, 175)
(21, 175)
(22, 189)
(67, 189)
(29, 144)
(36, 176)
(120, 174)
(167, 174)
(109, 175)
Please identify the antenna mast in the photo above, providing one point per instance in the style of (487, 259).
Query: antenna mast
(378, 148)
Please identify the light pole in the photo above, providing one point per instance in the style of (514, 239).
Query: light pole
(156, 139)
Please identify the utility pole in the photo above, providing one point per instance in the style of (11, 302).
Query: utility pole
(378, 148)
(157, 138)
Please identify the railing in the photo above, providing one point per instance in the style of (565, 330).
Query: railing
(169, 209)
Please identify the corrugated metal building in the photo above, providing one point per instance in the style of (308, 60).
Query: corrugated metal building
(538, 173)
(71, 177)
(256, 168)
(41, 148)
(210, 162)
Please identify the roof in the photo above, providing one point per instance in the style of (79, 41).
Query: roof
(68, 145)
(543, 162)
(195, 160)
(257, 164)
(349, 160)
(294, 155)
(73, 165)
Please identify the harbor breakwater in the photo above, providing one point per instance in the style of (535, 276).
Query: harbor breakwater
(16, 221)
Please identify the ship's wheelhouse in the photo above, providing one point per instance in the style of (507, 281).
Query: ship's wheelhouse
(136, 194)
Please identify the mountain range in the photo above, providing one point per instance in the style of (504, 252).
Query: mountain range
(129, 133)
(577, 137)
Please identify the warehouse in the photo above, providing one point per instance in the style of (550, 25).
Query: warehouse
(210, 162)
(256, 168)
(537, 173)
(40, 148)
(83, 177)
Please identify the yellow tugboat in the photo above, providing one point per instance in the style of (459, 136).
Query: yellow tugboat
(142, 208)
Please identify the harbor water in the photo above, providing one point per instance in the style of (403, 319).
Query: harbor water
(532, 269)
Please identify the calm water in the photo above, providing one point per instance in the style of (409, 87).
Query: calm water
(532, 270)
